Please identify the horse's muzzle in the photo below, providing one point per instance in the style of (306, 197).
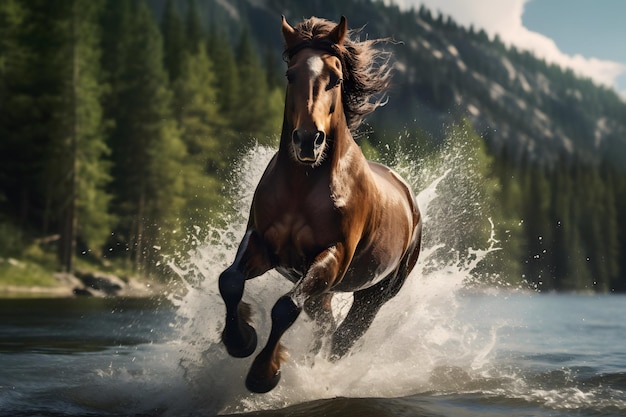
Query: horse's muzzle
(308, 145)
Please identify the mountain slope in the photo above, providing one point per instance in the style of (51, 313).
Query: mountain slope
(521, 105)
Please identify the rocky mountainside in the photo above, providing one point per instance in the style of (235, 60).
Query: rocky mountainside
(521, 105)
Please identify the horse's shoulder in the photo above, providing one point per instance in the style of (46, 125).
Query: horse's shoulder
(389, 175)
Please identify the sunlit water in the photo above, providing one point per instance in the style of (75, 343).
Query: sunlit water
(441, 347)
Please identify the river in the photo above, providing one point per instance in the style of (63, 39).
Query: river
(519, 355)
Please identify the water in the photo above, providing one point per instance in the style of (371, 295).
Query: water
(442, 347)
(514, 355)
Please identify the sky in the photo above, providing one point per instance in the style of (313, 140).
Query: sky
(588, 36)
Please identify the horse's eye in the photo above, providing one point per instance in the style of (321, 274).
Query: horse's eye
(334, 82)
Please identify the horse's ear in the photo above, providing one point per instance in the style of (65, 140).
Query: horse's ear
(289, 33)
(338, 34)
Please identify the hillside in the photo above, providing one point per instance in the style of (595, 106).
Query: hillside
(518, 103)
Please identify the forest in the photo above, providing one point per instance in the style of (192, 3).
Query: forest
(117, 130)
(120, 122)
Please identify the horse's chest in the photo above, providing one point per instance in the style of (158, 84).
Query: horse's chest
(290, 233)
(296, 236)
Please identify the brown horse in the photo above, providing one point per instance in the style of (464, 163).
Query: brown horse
(322, 215)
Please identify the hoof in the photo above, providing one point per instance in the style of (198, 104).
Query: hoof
(245, 345)
(261, 386)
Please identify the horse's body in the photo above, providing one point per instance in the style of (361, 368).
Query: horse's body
(322, 215)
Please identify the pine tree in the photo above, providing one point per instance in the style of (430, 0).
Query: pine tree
(560, 213)
(619, 187)
(199, 120)
(252, 111)
(85, 212)
(537, 227)
(56, 127)
(11, 68)
(173, 32)
(146, 148)
(11, 19)
(194, 29)
(30, 83)
(274, 78)
(221, 54)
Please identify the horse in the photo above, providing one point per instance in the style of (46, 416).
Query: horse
(322, 215)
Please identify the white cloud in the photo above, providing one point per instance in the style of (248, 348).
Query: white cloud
(505, 19)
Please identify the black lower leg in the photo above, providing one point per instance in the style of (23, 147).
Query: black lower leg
(238, 336)
(265, 371)
(364, 308)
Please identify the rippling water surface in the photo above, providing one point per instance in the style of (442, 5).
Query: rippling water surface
(439, 348)
(509, 355)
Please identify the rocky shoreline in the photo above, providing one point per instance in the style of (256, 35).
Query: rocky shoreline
(89, 284)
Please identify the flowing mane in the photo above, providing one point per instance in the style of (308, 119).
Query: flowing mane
(366, 70)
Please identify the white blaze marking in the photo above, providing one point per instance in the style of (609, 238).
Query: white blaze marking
(316, 65)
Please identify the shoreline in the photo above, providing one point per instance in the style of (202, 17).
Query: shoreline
(92, 284)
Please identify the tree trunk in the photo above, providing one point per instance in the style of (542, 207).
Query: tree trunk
(69, 220)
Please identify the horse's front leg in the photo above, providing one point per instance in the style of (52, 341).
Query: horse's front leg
(239, 336)
(265, 371)
(319, 308)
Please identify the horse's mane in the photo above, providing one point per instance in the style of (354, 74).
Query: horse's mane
(366, 70)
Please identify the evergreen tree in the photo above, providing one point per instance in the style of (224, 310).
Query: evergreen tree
(560, 208)
(29, 83)
(537, 228)
(221, 54)
(252, 110)
(194, 29)
(11, 19)
(173, 40)
(507, 216)
(275, 79)
(200, 120)
(56, 125)
(146, 148)
(85, 210)
(619, 187)
(11, 68)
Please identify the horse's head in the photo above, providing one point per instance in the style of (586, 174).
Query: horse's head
(313, 106)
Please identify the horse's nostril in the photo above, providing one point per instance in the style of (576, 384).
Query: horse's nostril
(319, 138)
(295, 136)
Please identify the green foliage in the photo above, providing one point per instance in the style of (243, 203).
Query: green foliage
(200, 120)
(11, 17)
(195, 31)
(254, 116)
(223, 58)
(117, 135)
(25, 274)
(90, 150)
(11, 239)
(146, 146)
(173, 32)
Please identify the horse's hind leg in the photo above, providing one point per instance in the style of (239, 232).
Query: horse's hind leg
(238, 336)
(364, 308)
(368, 302)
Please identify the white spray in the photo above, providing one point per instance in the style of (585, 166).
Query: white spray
(415, 335)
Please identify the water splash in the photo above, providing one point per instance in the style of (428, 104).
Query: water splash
(414, 335)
